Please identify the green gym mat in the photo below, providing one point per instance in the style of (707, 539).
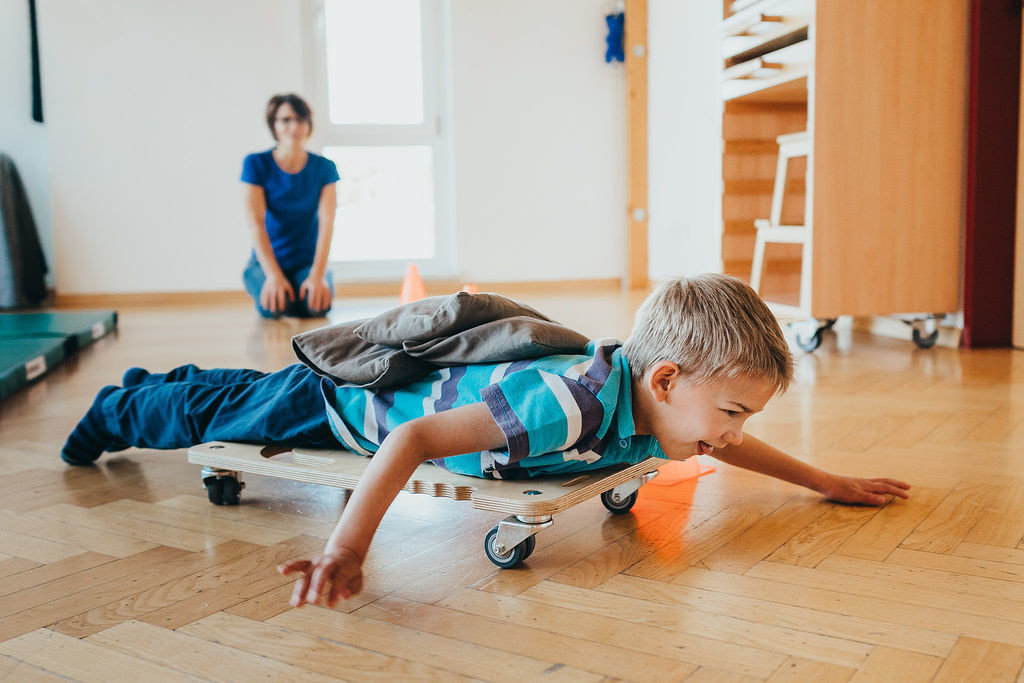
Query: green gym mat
(32, 343)
(78, 328)
(23, 360)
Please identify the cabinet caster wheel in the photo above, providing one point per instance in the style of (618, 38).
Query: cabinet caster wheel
(808, 332)
(620, 506)
(811, 343)
(508, 558)
(224, 490)
(925, 341)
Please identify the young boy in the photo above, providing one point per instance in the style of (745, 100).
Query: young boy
(705, 354)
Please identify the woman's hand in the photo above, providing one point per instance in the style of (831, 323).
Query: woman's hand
(863, 491)
(326, 578)
(276, 293)
(316, 292)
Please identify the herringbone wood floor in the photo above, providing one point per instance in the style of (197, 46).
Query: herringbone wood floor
(126, 572)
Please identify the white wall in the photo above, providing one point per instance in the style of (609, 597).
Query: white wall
(21, 138)
(685, 137)
(539, 127)
(150, 108)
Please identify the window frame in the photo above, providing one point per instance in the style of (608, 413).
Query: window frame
(434, 132)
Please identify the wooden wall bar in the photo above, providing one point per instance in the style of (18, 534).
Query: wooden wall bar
(635, 46)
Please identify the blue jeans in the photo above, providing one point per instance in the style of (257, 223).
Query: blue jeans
(296, 308)
(189, 406)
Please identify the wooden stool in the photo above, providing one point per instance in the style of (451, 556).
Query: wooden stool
(771, 230)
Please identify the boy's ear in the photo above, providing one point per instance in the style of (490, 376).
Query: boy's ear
(661, 376)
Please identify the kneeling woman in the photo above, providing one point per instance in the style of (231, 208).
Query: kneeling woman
(290, 205)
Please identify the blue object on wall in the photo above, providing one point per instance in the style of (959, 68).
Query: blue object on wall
(614, 52)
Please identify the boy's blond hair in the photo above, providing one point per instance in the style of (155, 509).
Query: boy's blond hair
(713, 327)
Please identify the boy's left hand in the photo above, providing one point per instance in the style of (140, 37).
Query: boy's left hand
(863, 491)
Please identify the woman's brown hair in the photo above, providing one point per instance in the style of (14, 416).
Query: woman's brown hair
(298, 104)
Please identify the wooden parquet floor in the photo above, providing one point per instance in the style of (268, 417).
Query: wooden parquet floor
(126, 572)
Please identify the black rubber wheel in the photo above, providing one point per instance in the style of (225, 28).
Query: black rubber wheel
(528, 546)
(231, 491)
(809, 344)
(214, 490)
(621, 507)
(508, 559)
(223, 490)
(925, 342)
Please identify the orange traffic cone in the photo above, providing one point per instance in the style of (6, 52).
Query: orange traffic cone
(412, 286)
(471, 289)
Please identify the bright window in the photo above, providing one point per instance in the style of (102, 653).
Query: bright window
(379, 76)
(385, 203)
(374, 61)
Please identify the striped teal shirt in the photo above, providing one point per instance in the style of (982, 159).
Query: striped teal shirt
(559, 414)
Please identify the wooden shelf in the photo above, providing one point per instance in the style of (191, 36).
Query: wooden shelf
(762, 27)
(884, 218)
(776, 76)
(788, 35)
(788, 86)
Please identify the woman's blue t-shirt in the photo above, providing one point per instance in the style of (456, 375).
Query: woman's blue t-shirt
(292, 201)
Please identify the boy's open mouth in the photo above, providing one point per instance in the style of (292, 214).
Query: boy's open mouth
(704, 448)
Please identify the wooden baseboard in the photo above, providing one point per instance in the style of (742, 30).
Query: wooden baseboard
(523, 288)
(342, 290)
(148, 299)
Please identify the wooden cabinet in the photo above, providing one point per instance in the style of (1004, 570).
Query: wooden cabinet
(881, 89)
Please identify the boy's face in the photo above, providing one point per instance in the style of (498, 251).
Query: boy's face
(691, 419)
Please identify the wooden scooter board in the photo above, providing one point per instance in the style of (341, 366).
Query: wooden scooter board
(543, 496)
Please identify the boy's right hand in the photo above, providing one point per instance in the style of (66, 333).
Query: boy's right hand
(326, 578)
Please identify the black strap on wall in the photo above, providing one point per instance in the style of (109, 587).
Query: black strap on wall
(37, 89)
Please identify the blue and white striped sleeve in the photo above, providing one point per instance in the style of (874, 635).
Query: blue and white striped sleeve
(541, 412)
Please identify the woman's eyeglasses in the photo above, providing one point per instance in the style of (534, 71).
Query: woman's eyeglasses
(285, 120)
